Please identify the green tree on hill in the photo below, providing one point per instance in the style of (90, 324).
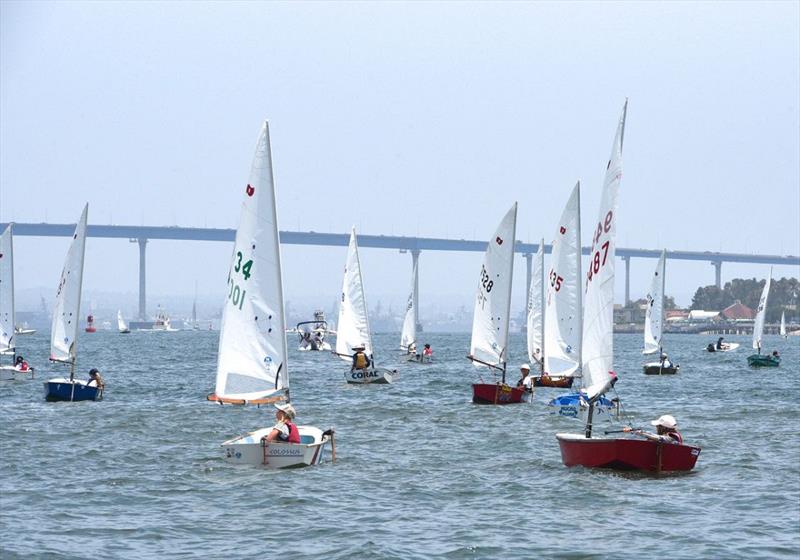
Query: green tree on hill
(783, 296)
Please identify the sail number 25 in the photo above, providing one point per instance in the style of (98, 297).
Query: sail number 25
(235, 292)
(600, 256)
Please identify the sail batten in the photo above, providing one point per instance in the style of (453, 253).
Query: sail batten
(66, 313)
(353, 326)
(251, 362)
(7, 314)
(654, 316)
(489, 342)
(598, 339)
(563, 303)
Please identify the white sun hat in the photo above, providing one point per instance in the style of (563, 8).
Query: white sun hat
(667, 420)
(525, 366)
(287, 409)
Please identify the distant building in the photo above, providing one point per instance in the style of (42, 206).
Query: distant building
(738, 312)
(676, 315)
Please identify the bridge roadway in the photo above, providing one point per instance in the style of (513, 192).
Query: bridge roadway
(414, 245)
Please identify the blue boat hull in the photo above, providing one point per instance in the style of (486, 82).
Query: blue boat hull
(64, 390)
(570, 405)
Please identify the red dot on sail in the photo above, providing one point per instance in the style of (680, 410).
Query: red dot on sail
(250, 190)
(499, 240)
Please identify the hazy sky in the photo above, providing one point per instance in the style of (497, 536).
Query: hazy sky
(401, 118)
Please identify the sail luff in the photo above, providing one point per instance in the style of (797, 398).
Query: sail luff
(535, 319)
(7, 310)
(66, 314)
(563, 314)
(542, 306)
(353, 324)
(654, 317)
(252, 357)
(598, 347)
(758, 326)
(364, 299)
(489, 340)
(408, 334)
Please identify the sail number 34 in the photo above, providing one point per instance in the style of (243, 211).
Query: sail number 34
(235, 292)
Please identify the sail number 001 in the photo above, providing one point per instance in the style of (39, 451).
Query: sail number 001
(235, 293)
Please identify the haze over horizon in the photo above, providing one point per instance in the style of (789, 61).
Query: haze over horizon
(424, 119)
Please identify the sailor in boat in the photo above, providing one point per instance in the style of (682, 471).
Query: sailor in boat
(721, 345)
(427, 353)
(360, 359)
(21, 365)
(285, 430)
(524, 381)
(96, 379)
(665, 362)
(666, 430)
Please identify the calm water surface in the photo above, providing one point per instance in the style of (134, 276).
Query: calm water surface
(421, 472)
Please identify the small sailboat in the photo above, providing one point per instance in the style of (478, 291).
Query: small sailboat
(252, 364)
(90, 328)
(598, 351)
(353, 327)
(654, 323)
(122, 326)
(408, 333)
(19, 368)
(64, 329)
(759, 359)
(782, 331)
(23, 329)
(563, 314)
(312, 333)
(489, 342)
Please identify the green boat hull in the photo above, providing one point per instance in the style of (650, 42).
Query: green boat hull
(759, 360)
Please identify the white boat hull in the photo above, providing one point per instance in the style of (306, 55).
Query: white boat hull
(10, 373)
(24, 331)
(377, 375)
(326, 347)
(250, 450)
(727, 347)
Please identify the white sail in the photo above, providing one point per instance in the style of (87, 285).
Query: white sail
(121, 324)
(563, 303)
(598, 316)
(535, 322)
(353, 327)
(489, 342)
(409, 333)
(64, 329)
(758, 326)
(783, 324)
(7, 320)
(252, 342)
(654, 316)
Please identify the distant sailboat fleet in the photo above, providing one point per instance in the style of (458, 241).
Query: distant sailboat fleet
(569, 334)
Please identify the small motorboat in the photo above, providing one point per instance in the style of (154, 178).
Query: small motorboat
(724, 347)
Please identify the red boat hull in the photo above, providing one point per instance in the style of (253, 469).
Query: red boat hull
(626, 454)
(497, 393)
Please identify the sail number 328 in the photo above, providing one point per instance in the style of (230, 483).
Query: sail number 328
(486, 283)
(235, 292)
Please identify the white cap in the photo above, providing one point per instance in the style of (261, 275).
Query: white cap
(287, 409)
(667, 420)
(525, 366)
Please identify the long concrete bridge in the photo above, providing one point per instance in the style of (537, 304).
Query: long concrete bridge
(412, 245)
